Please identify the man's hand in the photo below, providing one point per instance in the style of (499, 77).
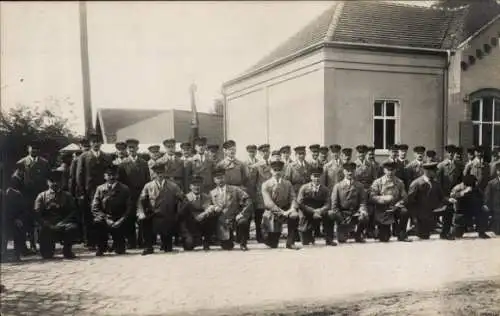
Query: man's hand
(467, 190)
(109, 222)
(399, 204)
(486, 208)
(317, 214)
(452, 200)
(141, 216)
(387, 198)
(117, 224)
(239, 217)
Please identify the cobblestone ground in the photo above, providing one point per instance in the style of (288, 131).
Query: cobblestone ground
(254, 282)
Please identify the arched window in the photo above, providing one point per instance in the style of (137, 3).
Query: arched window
(485, 106)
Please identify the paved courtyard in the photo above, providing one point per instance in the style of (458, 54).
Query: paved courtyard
(260, 281)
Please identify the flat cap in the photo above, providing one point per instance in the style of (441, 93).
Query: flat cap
(55, 175)
(275, 153)
(132, 142)
(347, 151)
(213, 148)
(94, 137)
(450, 148)
(120, 145)
(196, 180)
(158, 166)
(285, 149)
(361, 149)
(169, 142)
(403, 147)
(391, 165)
(218, 172)
(394, 147)
(419, 149)
(349, 166)
(335, 148)
(316, 171)
(430, 165)
(185, 146)
(323, 150)
(251, 148)
(229, 144)
(84, 141)
(154, 148)
(264, 147)
(200, 141)
(111, 169)
(300, 149)
(431, 153)
(277, 165)
(314, 147)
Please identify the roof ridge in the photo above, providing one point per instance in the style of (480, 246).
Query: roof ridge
(335, 18)
(458, 13)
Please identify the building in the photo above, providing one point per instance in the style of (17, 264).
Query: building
(153, 126)
(376, 72)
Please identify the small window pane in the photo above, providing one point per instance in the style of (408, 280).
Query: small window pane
(378, 108)
(488, 109)
(475, 110)
(486, 136)
(475, 132)
(389, 109)
(497, 135)
(390, 132)
(378, 134)
(497, 110)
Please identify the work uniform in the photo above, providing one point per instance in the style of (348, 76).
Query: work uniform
(450, 174)
(479, 169)
(468, 210)
(197, 224)
(202, 167)
(263, 174)
(298, 173)
(492, 199)
(236, 172)
(333, 173)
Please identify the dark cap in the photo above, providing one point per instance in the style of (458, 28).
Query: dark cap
(196, 180)
(370, 149)
(323, 150)
(200, 141)
(178, 154)
(111, 169)
(154, 148)
(314, 148)
(394, 147)
(459, 150)
(84, 142)
(35, 144)
(403, 147)
(264, 147)
(431, 153)
(349, 166)
(185, 146)
(251, 148)
(335, 148)
(419, 149)
(213, 148)
(132, 142)
(277, 165)
(218, 172)
(275, 153)
(450, 149)
(120, 145)
(391, 165)
(347, 151)
(316, 171)
(470, 150)
(300, 149)
(430, 165)
(55, 175)
(285, 149)
(94, 138)
(169, 142)
(479, 149)
(229, 144)
(361, 149)
(158, 166)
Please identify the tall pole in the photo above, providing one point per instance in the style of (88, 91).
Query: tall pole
(84, 57)
(194, 114)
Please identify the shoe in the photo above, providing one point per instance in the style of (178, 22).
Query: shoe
(447, 237)
(292, 247)
(121, 251)
(360, 240)
(331, 243)
(404, 239)
(99, 253)
(243, 247)
(147, 251)
(484, 236)
(69, 254)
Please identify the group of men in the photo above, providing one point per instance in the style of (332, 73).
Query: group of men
(189, 197)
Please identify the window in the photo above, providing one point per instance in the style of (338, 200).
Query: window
(486, 121)
(385, 123)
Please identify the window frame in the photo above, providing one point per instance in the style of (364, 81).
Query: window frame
(494, 121)
(396, 118)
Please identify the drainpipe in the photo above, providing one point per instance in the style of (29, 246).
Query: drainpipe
(224, 115)
(446, 88)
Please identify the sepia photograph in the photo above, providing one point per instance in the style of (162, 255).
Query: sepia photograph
(250, 158)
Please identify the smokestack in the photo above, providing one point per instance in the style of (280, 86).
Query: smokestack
(84, 57)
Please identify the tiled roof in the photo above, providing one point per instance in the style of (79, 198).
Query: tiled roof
(388, 23)
(114, 119)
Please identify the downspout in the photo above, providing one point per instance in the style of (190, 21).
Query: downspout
(224, 115)
(446, 89)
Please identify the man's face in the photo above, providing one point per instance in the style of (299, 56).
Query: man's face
(315, 155)
(276, 158)
(186, 152)
(85, 147)
(301, 156)
(160, 174)
(132, 150)
(346, 158)
(393, 154)
(335, 155)
(361, 156)
(430, 173)
(121, 153)
(95, 145)
(110, 177)
(33, 151)
(315, 179)
(322, 156)
(370, 156)
(478, 155)
(219, 181)
(54, 185)
(276, 172)
(457, 156)
(200, 149)
(170, 149)
(251, 154)
(211, 155)
(195, 188)
(389, 172)
(348, 174)
(230, 152)
(265, 154)
(470, 156)
(419, 156)
(285, 156)
(402, 154)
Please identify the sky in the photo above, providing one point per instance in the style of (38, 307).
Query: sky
(142, 55)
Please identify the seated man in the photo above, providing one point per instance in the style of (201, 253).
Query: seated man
(233, 209)
(56, 213)
(314, 206)
(388, 194)
(469, 207)
(280, 208)
(349, 206)
(111, 208)
(197, 223)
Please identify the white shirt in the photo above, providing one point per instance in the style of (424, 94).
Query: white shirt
(133, 158)
(96, 153)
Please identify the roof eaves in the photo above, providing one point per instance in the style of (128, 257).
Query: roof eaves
(275, 63)
(484, 27)
(385, 47)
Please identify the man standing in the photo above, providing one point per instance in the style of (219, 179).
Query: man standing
(298, 172)
(349, 205)
(414, 168)
(323, 157)
(492, 198)
(450, 169)
(121, 153)
(333, 172)
(134, 173)
(186, 151)
(402, 154)
(154, 155)
(232, 207)
(84, 147)
(56, 212)
(158, 207)
(213, 153)
(314, 208)
(335, 150)
(427, 202)
(286, 151)
(111, 209)
(370, 156)
(263, 168)
(281, 207)
(495, 160)
(314, 162)
(174, 166)
(365, 173)
(479, 168)
(235, 170)
(202, 165)
(33, 171)
(389, 195)
(90, 175)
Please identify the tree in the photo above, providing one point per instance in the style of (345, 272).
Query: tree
(22, 125)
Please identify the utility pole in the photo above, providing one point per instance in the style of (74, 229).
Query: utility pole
(84, 57)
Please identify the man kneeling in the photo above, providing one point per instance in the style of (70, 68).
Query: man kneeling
(349, 206)
(232, 207)
(56, 212)
(111, 207)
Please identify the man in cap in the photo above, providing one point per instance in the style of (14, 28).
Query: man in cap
(84, 147)
(349, 205)
(427, 202)
(333, 172)
(323, 156)
(389, 195)
(370, 157)
(233, 209)
(495, 160)
(157, 208)
(213, 153)
(298, 172)
(186, 150)
(154, 155)
(202, 166)
(197, 223)
(314, 208)
(450, 169)
(56, 212)
(281, 207)
(111, 209)
(174, 166)
(393, 157)
(90, 175)
(263, 169)
(236, 171)
(286, 152)
(414, 168)
(33, 171)
(365, 172)
(336, 149)
(479, 168)
(492, 198)
(470, 208)
(275, 155)
(314, 162)
(252, 155)
(134, 173)
(402, 154)
(121, 153)
(431, 156)
(470, 155)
